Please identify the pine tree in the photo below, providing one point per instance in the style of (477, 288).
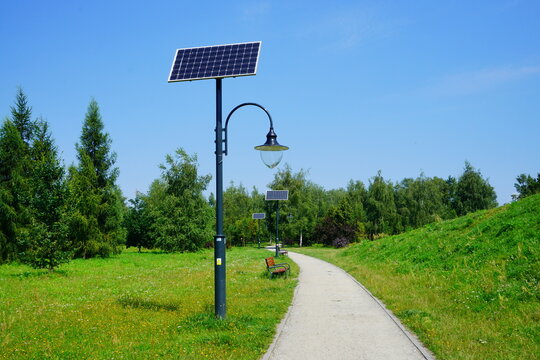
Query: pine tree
(13, 191)
(46, 235)
(96, 203)
(21, 116)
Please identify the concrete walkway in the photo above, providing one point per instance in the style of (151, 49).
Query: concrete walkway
(334, 317)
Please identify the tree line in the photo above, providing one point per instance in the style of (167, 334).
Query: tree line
(50, 213)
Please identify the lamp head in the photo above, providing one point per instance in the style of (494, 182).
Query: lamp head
(271, 151)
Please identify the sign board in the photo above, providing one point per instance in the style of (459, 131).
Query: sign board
(277, 195)
(258, 216)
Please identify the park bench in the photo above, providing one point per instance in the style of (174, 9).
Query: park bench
(276, 269)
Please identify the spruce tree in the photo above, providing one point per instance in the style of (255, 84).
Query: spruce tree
(21, 116)
(96, 202)
(14, 214)
(46, 234)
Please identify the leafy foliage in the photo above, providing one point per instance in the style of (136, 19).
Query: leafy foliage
(526, 185)
(138, 224)
(473, 192)
(181, 218)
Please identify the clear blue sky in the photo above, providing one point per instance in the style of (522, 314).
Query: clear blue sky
(353, 86)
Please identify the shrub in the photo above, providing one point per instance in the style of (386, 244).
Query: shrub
(340, 242)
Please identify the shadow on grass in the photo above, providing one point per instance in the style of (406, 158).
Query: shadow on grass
(131, 301)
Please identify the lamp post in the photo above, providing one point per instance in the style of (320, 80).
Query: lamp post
(271, 154)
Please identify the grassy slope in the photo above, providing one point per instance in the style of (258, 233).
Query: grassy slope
(139, 306)
(469, 288)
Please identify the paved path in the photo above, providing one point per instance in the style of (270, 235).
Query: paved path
(334, 317)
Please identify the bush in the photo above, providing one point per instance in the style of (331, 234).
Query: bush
(340, 242)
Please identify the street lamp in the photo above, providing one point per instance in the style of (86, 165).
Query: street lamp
(219, 62)
(268, 151)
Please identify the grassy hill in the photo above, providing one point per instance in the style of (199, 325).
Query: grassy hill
(469, 287)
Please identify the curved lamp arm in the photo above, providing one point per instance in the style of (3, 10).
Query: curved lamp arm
(229, 117)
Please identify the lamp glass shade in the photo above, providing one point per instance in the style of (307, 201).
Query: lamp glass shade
(271, 158)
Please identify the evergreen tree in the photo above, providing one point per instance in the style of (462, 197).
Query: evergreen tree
(473, 192)
(14, 215)
(96, 202)
(526, 185)
(46, 235)
(21, 116)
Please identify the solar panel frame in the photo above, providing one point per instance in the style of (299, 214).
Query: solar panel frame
(277, 195)
(196, 65)
(258, 216)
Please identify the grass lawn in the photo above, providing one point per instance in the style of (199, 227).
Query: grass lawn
(469, 288)
(141, 306)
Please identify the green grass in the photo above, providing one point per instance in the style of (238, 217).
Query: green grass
(141, 306)
(469, 288)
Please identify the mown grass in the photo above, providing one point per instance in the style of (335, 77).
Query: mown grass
(141, 306)
(469, 288)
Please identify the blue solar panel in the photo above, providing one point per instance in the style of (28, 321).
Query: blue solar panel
(210, 62)
(258, 216)
(277, 195)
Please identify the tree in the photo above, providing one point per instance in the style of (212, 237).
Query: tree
(238, 207)
(181, 217)
(21, 116)
(13, 191)
(420, 201)
(307, 204)
(380, 207)
(96, 204)
(46, 235)
(138, 223)
(473, 192)
(526, 185)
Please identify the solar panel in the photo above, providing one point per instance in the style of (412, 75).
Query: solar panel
(277, 195)
(210, 62)
(259, 216)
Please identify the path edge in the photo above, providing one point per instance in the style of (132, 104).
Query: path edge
(281, 325)
(426, 353)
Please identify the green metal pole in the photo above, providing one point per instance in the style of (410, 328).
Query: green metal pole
(277, 226)
(219, 239)
(259, 235)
